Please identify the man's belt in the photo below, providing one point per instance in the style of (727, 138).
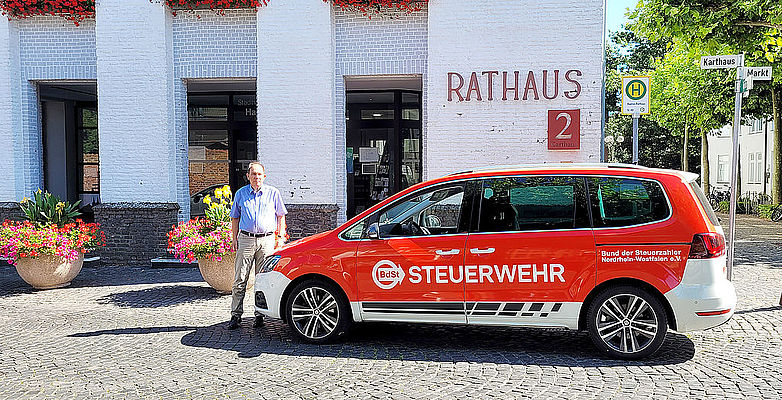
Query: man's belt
(255, 235)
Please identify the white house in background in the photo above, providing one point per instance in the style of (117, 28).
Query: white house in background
(756, 145)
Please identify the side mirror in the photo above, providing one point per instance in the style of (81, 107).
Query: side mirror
(373, 231)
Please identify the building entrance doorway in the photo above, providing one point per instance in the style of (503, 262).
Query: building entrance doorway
(222, 141)
(383, 131)
(69, 124)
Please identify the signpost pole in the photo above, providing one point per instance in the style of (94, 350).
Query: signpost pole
(636, 115)
(734, 164)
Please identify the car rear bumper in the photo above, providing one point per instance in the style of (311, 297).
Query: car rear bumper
(705, 298)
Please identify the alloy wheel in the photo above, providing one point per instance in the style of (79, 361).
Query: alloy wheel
(315, 312)
(626, 323)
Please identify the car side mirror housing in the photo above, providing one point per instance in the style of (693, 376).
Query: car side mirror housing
(373, 231)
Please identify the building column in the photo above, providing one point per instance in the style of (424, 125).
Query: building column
(12, 155)
(296, 109)
(136, 125)
(10, 118)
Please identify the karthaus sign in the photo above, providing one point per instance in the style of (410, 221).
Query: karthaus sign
(514, 85)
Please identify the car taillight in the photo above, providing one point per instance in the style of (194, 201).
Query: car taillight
(707, 245)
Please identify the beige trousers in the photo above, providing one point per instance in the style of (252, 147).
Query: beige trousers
(249, 257)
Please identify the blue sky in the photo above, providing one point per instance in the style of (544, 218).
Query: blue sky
(615, 13)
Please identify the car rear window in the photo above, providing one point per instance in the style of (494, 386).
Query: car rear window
(618, 202)
(705, 203)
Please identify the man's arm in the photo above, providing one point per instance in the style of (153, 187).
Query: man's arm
(280, 239)
(234, 233)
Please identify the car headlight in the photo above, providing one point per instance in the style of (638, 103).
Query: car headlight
(269, 263)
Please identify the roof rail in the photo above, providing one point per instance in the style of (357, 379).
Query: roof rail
(548, 165)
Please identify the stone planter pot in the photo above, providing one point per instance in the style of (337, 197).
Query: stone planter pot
(220, 274)
(48, 272)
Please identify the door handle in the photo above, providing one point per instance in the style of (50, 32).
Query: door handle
(447, 252)
(487, 250)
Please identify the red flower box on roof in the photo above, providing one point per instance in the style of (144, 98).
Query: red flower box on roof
(72, 10)
(79, 10)
(217, 5)
(369, 7)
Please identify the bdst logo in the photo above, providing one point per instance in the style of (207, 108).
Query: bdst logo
(387, 275)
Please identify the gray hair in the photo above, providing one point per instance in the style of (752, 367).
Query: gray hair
(258, 163)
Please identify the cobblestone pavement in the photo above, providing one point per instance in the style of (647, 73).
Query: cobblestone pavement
(159, 333)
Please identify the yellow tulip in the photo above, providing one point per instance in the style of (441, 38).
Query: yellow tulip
(207, 199)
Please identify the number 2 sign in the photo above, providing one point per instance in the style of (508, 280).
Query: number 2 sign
(564, 129)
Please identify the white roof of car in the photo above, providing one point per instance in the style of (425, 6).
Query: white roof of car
(688, 176)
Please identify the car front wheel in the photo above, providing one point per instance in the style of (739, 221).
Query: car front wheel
(317, 312)
(627, 322)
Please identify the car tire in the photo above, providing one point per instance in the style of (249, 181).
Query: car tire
(317, 311)
(627, 322)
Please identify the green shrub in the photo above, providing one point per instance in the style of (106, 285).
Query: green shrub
(764, 210)
(46, 209)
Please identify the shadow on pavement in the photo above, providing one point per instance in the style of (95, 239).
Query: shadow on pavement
(135, 331)
(12, 284)
(761, 309)
(161, 296)
(436, 343)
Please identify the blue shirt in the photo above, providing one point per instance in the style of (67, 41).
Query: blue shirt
(258, 211)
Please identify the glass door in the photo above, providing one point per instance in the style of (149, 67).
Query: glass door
(383, 151)
(222, 141)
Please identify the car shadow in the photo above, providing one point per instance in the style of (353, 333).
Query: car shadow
(416, 342)
(160, 296)
(436, 343)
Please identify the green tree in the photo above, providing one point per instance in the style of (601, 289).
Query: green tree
(630, 54)
(753, 27)
(690, 101)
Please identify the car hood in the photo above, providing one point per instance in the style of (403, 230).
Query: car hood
(302, 241)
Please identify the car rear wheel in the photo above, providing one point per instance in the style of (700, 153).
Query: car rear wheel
(317, 311)
(627, 322)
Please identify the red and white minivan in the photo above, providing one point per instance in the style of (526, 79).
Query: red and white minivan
(622, 251)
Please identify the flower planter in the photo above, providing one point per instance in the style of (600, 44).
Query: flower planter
(49, 272)
(220, 274)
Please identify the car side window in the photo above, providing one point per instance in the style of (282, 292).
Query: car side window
(356, 231)
(533, 203)
(435, 211)
(618, 202)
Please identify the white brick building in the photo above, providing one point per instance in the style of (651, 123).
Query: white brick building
(140, 110)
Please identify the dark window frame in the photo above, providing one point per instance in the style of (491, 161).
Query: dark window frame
(582, 215)
(230, 125)
(80, 163)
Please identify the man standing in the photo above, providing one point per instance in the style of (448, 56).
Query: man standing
(257, 229)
